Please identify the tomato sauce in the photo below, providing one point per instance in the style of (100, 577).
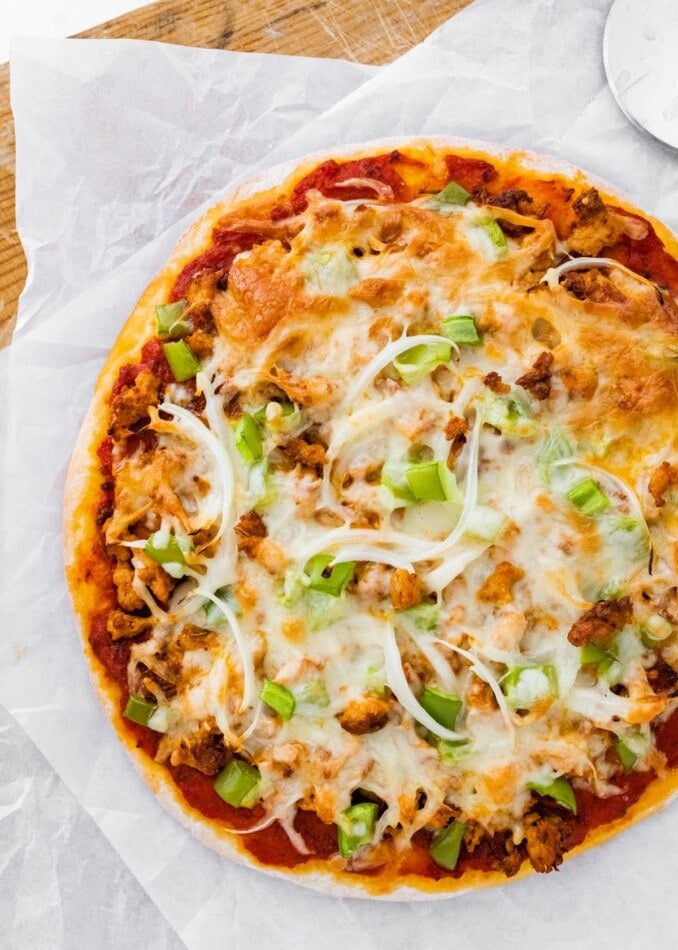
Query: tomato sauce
(470, 173)
(220, 257)
(112, 654)
(326, 177)
(666, 736)
(153, 359)
(646, 256)
(271, 845)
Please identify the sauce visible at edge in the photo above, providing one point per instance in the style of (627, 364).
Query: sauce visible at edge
(271, 845)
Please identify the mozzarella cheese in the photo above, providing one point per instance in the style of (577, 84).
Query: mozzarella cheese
(354, 310)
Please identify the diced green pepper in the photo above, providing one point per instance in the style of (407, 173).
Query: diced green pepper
(631, 747)
(239, 784)
(213, 614)
(443, 707)
(279, 699)
(655, 629)
(555, 446)
(182, 360)
(314, 692)
(248, 439)
(446, 844)
(393, 478)
(588, 497)
(282, 416)
(559, 789)
(139, 710)
(590, 653)
(375, 682)
(452, 194)
(332, 581)
(451, 751)
(170, 322)
(431, 481)
(420, 360)
(167, 550)
(462, 329)
(493, 229)
(356, 827)
(510, 414)
(424, 616)
(525, 685)
(627, 756)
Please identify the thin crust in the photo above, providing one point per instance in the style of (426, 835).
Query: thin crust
(80, 533)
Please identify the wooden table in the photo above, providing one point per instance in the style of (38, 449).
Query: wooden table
(375, 32)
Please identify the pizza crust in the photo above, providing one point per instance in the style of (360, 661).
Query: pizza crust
(80, 534)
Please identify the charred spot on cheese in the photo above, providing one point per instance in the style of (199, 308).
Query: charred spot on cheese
(435, 572)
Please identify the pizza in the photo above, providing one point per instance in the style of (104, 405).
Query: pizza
(372, 525)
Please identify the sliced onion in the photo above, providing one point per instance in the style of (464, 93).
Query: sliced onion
(380, 187)
(483, 673)
(382, 360)
(395, 677)
(553, 274)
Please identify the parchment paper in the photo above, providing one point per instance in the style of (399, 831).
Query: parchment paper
(118, 140)
(525, 74)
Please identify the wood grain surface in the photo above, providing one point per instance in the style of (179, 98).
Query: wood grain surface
(375, 32)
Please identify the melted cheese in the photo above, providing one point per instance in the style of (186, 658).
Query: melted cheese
(349, 317)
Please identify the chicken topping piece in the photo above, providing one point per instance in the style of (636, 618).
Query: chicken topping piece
(122, 626)
(538, 379)
(407, 590)
(250, 531)
(132, 404)
(368, 714)
(545, 839)
(498, 588)
(663, 478)
(599, 623)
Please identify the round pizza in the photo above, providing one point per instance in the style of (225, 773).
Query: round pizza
(372, 525)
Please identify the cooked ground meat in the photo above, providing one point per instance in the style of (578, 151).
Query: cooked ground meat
(667, 605)
(479, 695)
(662, 678)
(588, 205)
(407, 590)
(455, 427)
(368, 714)
(123, 577)
(250, 530)
(131, 405)
(599, 623)
(538, 380)
(303, 453)
(199, 295)
(545, 840)
(516, 199)
(494, 382)
(455, 431)
(201, 343)
(498, 588)
(156, 578)
(122, 626)
(595, 228)
(205, 751)
(593, 286)
(663, 477)
(507, 855)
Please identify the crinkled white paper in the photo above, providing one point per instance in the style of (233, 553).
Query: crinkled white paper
(526, 74)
